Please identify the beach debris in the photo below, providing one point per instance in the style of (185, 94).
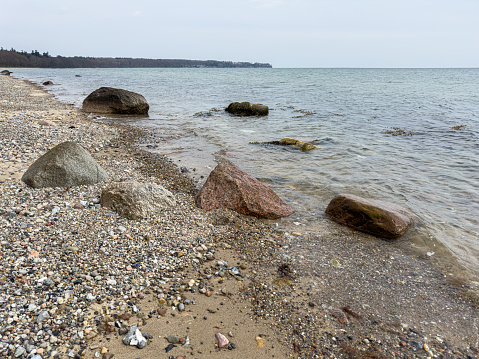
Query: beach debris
(135, 338)
(221, 340)
(340, 316)
(170, 347)
(135, 200)
(247, 109)
(229, 187)
(66, 165)
(116, 101)
(260, 342)
(379, 218)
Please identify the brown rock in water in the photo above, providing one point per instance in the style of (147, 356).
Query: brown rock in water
(47, 83)
(229, 187)
(381, 219)
(116, 101)
(247, 109)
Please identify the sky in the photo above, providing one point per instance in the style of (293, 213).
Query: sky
(284, 33)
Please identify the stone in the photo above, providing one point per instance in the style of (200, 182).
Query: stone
(115, 101)
(46, 123)
(247, 109)
(19, 352)
(221, 340)
(6, 72)
(66, 165)
(43, 315)
(173, 339)
(135, 200)
(47, 83)
(229, 187)
(135, 338)
(379, 218)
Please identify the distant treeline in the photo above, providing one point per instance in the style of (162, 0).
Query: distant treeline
(14, 58)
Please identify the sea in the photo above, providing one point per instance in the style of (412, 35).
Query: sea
(407, 136)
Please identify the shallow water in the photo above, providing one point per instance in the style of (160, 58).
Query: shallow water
(425, 163)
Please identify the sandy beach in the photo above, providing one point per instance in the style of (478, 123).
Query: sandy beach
(74, 277)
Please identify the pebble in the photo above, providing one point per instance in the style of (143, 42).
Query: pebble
(221, 340)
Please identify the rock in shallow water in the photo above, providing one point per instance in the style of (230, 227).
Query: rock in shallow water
(379, 218)
(112, 100)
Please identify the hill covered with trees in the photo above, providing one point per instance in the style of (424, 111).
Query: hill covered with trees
(14, 58)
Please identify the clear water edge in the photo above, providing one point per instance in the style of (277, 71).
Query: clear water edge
(434, 172)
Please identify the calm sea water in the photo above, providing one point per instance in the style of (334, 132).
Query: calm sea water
(431, 165)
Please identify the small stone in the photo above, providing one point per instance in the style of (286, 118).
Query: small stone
(173, 339)
(19, 352)
(104, 350)
(221, 340)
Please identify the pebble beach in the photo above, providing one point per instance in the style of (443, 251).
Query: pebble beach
(76, 277)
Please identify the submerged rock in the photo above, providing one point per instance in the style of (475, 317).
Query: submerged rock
(247, 109)
(66, 165)
(47, 83)
(229, 187)
(293, 142)
(379, 218)
(116, 101)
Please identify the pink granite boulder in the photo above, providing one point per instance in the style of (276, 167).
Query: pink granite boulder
(229, 187)
(379, 218)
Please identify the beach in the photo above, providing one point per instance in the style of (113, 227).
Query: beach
(74, 275)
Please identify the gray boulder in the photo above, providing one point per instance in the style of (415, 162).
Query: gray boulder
(135, 200)
(247, 109)
(115, 101)
(66, 165)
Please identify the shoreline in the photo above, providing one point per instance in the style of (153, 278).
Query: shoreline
(342, 307)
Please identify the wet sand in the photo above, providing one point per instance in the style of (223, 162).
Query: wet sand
(327, 292)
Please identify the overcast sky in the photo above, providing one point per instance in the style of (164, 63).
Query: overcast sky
(285, 33)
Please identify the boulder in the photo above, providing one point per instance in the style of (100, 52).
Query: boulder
(135, 200)
(5, 72)
(379, 218)
(115, 101)
(247, 109)
(66, 165)
(229, 187)
(47, 83)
